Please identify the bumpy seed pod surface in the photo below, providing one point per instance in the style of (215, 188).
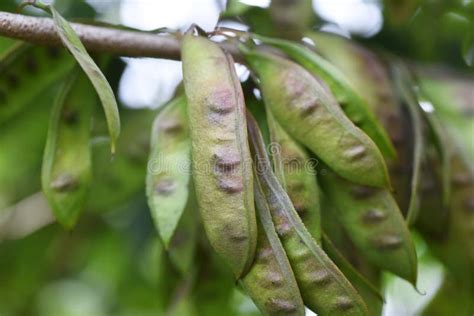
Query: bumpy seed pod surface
(305, 108)
(66, 171)
(221, 163)
(352, 103)
(297, 175)
(169, 168)
(374, 223)
(324, 288)
(270, 282)
(25, 72)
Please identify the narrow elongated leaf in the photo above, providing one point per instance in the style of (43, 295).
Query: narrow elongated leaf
(66, 171)
(403, 85)
(74, 45)
(443, 149)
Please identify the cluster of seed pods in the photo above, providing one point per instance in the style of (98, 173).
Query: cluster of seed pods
(262, 204)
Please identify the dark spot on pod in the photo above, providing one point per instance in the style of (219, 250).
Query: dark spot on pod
(355, 152)
(461, 179)
(165, 187)
(231, 185)
(263, 255)
(13, 81)
(64, 183)
(235, 234)
(319, 277)
(308, 107)
(373, 216)
(273, 279)
(238, 237)
(279, 306)
(226, 160)
(343, 303)
(53, 52)
(170, 126)
(222, 102)
(300, 208)
(387, 242)
(469, 204)
(31, 65)
(362, 192)
(283, 228)
(70, 117)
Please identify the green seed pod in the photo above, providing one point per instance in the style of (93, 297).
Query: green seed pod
(25, 72)
(324, 288)
(169, 168)
(221, 163)
(66, 171)
(374, 223)
(182, 247)
(296, 173)
(367, 290)
(310, 114)
(354, 106)
(270, 282)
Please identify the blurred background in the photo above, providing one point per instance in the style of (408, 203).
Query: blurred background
(110, 263)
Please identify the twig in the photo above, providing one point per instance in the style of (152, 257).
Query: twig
(98, 38)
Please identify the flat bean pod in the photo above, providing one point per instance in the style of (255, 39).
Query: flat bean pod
(221, 164)
(324, 288)
(349, 99)
(374, 223)
(169, 168)
(270, 282)
(296, 173)
(310, 114)
(25, 72)
(66, 171)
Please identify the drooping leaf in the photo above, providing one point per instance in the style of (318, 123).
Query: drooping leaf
(73, 43)
(404, 86)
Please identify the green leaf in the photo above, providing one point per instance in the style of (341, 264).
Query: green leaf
(443, 148)
(74, 45)
(404, 86)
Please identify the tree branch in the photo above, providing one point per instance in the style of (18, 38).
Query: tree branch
(97, 38)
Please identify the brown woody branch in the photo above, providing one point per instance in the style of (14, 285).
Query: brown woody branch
(98, 38)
